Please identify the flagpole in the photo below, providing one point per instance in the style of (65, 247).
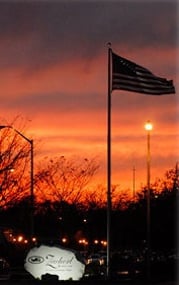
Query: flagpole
(109, 163)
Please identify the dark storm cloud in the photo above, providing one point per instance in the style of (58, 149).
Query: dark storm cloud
(42, 33)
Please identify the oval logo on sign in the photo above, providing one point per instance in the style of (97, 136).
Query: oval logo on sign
(36, 259)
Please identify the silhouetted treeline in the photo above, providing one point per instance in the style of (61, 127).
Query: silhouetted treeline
(54, 221)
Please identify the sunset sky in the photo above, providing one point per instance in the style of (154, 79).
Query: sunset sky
(53, 73)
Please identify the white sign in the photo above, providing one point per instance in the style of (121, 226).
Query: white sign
(54, 260)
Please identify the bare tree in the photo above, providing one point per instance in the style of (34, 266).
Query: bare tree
(96, 198)
(14, 162)
(62, 179)
(169, 182)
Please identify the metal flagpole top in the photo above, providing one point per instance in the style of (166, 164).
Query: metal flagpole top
(109, 44)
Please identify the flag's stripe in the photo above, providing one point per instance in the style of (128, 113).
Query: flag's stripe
(148, 75)
(143, 80)
(127, 75)
(142, 90)
(143, 85)
(137, 86)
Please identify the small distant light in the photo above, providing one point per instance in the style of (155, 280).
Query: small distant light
(20, 238)
(64, 240)
(104, 242)
(83, 241)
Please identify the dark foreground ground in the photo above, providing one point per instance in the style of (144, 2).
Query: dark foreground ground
(84, 282)
(160, 275)
(24, 278)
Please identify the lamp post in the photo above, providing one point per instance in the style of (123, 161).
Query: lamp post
(148, 127)
(30, 141)
(133, 171)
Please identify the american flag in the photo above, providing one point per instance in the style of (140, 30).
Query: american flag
(127, 75)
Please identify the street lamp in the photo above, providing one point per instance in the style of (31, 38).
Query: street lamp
(148, 127)
(30, 141)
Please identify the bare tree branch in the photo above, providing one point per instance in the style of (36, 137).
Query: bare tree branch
(65, 180)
